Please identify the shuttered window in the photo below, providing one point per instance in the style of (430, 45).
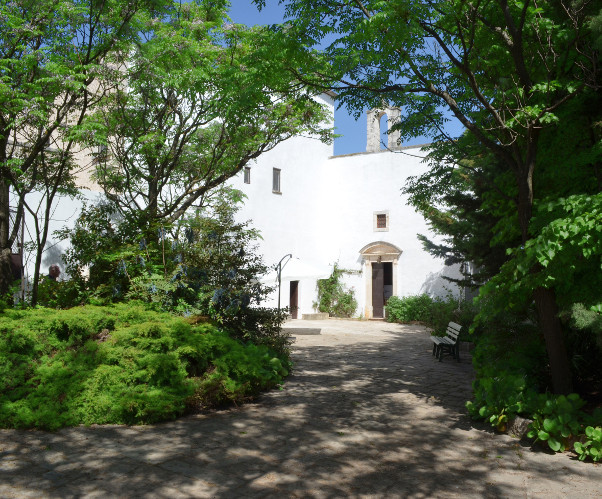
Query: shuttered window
(247, 175)
(276, 180)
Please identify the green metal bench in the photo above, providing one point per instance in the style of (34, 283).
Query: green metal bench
(449, 344)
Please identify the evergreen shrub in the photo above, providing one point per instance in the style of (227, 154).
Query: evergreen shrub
(122, 364)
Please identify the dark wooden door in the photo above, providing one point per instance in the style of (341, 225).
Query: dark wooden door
(378, 294)
(294, 299)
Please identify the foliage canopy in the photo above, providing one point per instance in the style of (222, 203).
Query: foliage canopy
(508, 71)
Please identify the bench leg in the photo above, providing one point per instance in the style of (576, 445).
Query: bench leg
(434, 349)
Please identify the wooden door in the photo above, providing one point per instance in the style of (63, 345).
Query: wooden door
(378, 294)
(294, 299)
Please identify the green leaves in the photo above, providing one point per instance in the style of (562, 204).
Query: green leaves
(546, 436)
(556, 420)
(55, 60)
(565, 254)
(204, 97)
(333, 297)
(591, 446)
(129, 365)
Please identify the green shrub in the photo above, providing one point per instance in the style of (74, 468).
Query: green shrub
(556, 420)
(205, 265)
(497, 399)
(436, 313)
(508, 359)
(512, 346)
(411, 308)
(583, 341)
(591, 446)
(123, 364)
(512, 379)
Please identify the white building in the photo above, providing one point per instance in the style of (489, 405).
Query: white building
(348, 209)
(322, 209)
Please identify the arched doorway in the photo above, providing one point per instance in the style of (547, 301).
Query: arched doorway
(379, 260)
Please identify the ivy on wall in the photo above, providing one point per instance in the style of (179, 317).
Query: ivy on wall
(333, 297)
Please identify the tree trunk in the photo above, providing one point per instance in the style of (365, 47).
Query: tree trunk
(41, 241)
(6, 275)
(525, 203)
(545, 300)
(36, 277)
(5, 247)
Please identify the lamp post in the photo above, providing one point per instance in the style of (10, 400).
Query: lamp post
(280, 266)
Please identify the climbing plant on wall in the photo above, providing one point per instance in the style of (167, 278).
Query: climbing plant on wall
(333, 297)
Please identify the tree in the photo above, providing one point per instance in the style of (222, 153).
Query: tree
(50, 58)
(504, 69)
(201, 98)
(208, 266)
(473, 202)
(464, 211)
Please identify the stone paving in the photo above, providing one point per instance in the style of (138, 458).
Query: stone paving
(368, 412)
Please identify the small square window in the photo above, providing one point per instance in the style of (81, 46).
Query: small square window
(381, 221)
(276, 180)
(247, 174)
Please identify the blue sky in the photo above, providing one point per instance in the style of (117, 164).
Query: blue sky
(353, 132)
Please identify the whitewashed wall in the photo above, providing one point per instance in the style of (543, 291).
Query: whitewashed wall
(325, 214)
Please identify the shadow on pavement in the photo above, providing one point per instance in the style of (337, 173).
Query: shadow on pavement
(376, 418)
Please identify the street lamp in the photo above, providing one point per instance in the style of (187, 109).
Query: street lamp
(280, 266)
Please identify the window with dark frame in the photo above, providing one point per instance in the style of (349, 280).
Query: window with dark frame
(247, 174)
(381, 221)
(276, 180)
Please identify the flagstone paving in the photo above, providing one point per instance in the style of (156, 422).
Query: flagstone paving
(368, 412)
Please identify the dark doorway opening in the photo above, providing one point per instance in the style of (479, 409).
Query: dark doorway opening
(378, 296)
(294, 299)
(382, 287)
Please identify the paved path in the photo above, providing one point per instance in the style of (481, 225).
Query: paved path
(367, 413)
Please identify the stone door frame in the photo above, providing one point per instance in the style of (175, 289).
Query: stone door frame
(378, 251)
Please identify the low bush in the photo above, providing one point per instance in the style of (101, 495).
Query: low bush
(411, 308)
(556, 420)
(122, 364)
(498, 399)
(591, 446)
(436, 313)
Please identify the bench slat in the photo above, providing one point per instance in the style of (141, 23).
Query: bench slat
(452, 332)
(455, 326)
(442, 339)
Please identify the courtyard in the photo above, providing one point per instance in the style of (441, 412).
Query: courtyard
(367, 412)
